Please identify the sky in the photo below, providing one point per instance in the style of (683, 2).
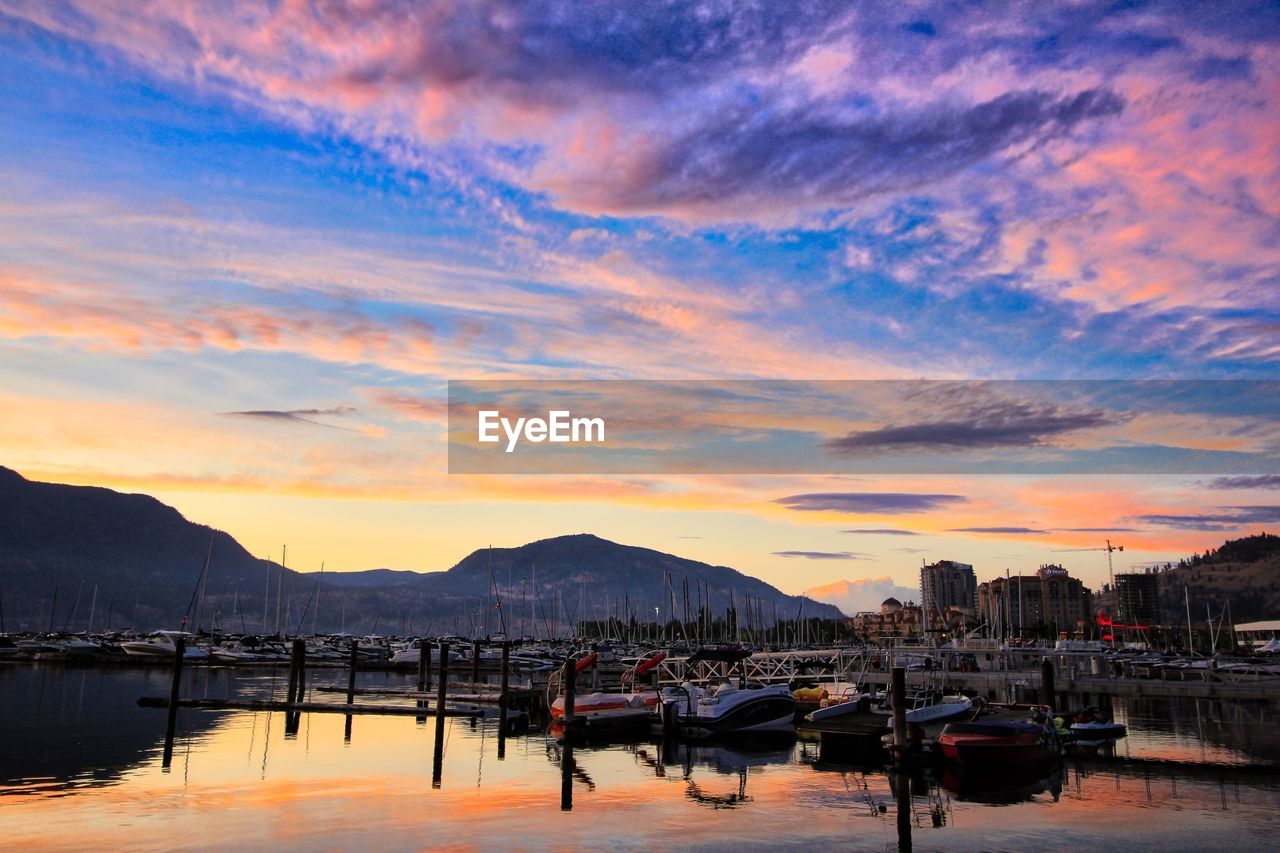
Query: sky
(244, 248)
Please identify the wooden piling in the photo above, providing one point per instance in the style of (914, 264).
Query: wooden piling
(437, 756)
(898, 696)
(903, 790)
(300, 653)
(175, 686)
(424, 666)
(351, 672)
(442, 687)
(504, 699)
(475, 661)
(570, 687)
(1047, 694)
(566, 778)
(293, 674)
(595, 666)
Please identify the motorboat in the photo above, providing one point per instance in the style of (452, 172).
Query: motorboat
(1095, 730)
(995, 743)
(246, 650)
(163, 644)
(724, 709)
(605, 714)
(607, 704)
(412, 654)
(849, 702)
(945, 710)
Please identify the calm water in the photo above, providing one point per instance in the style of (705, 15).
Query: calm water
(80, 766)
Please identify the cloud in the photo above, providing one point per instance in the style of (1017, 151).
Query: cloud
(823, 555)
(1098, 530)
(755, 156)
(1227, 518)
(882, 531)
(1264, 481)
(1018, 530)
(1001, 423)
(912, 550)
(868, 503)
(296, 416)
(863, 594)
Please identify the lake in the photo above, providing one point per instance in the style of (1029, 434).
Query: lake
(81, 767)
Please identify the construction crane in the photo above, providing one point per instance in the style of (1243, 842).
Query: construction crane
(1111, 577)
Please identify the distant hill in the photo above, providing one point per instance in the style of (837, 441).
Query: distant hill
(59, 542)
(1244, 571)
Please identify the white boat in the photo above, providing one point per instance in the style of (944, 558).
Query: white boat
(945, 710)
(1098, 731)
(412, 654)
(726, 709)
(1248, 672)
(246, 650)
(161, 644)
(604, 705)
(849, 702)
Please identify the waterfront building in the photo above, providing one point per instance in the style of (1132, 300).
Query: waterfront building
(948, 593)
(1137, 599)
(1041, 604)
(893, 619)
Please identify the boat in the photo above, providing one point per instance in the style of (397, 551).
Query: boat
(246, 650)
(162, 644)
(849, 702)
(1095, 730)
(996, 743)
(726, 709)
(945, 710)
(605, 704)
(412, 654)
(605, 714)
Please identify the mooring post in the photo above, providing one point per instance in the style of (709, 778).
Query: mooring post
(566, 778)
(351, 671)
(424, 665)
(175, 685)
(570, 687)
(444, 679)
(898, 696)
(903, 790)
(300, 652)
(437, 762)
(293, 675)
(504, 699)
(475, 661)
(437, 756)
(595, 666)
(1047, 696)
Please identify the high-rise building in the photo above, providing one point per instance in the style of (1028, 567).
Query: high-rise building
(1138, 599)
(948, 586)
(1049, 599)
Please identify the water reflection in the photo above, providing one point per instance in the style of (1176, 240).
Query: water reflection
(391, 783)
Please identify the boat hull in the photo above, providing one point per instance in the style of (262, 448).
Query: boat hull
(995, 745)
(764, 714)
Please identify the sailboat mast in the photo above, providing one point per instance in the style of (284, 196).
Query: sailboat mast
(284, 558)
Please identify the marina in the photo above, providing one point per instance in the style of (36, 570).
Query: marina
(1188, 771)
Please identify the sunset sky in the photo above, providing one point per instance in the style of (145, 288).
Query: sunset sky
(244, 249)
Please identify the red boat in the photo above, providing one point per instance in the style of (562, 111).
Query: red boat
(992, 743)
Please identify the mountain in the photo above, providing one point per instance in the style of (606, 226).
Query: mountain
(858, 596)
(60, 543)
(1244, 572)
(584, 577)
